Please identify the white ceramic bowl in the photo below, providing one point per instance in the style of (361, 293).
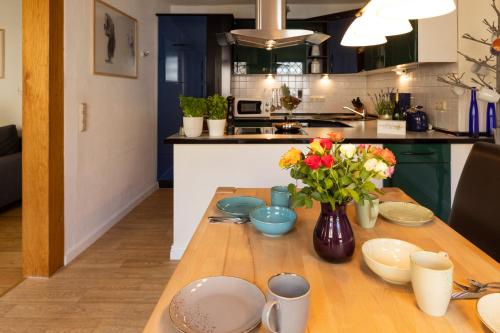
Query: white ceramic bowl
(389, 258)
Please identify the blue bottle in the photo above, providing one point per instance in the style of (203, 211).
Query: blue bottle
(491, 119)
(473, 115)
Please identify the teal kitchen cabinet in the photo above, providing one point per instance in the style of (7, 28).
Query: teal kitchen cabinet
(431, 41)
(254, 60)
(423, 172)
(401, 49)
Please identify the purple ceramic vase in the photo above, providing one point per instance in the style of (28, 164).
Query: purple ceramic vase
(333, 237)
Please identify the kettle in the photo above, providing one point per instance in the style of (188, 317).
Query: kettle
(416, 120)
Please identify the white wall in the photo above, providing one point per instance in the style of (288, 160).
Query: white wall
(11, 84)
(297, 11)
(112, 166)
(470, 17)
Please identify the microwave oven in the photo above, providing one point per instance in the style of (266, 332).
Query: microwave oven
(250, 108)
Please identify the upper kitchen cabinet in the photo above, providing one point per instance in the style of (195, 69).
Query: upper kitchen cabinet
(341, 59)
(432, 40)
(250, 60)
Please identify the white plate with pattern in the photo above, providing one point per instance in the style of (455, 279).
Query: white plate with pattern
(488, 308)
(219, 304)
(406, 213)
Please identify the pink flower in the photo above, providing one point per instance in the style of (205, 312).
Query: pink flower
(313, 162)
(327, 161)
(390, 171)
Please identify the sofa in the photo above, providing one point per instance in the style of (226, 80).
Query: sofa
(10, 166)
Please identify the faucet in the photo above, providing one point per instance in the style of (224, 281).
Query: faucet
(362, 114)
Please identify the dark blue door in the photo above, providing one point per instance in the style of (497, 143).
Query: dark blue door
(181, 71)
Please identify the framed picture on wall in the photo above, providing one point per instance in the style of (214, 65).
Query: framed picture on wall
(115, 42)
(2, 53)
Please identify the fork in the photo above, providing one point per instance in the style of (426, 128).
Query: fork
(470, 289)
(226, 219)
(481, 286)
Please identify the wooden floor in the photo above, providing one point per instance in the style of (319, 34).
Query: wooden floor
(10, 248)
(111, 287)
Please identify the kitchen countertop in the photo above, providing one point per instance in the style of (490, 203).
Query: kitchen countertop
(360, 132)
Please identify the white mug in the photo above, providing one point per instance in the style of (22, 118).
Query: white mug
(432, 281)
(287, 307)
(367, 213)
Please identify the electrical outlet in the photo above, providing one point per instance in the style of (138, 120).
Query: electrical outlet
(440, 106)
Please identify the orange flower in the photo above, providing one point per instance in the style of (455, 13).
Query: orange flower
(336, 137)
(388, 156)
(385, 154)
(291, 158)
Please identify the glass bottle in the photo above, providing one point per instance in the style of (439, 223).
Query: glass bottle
(473, 115)
(491, 119)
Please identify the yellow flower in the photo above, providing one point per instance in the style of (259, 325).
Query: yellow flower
(316, 147)
(291, 157)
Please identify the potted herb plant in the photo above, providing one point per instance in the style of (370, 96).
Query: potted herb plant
(194, 109)
(217, 111)
(383, 104)
(335, 174)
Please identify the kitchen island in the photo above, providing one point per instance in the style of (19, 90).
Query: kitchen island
(203, 164)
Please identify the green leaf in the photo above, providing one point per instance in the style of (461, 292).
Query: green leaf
(328, 183)
(369, 187)
(316, 196)
(292, 188)
(353, 194)
(308, 202)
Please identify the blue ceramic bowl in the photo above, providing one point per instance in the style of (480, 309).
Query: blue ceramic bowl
(273, 221)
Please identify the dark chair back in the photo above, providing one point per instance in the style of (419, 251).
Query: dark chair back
(476, 208)
(9, 141)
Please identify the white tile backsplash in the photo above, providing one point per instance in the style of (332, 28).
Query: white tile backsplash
(339, 90)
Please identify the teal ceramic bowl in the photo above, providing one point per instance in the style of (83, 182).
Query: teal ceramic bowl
(273, 221)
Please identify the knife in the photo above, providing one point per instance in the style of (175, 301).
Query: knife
(467, 295)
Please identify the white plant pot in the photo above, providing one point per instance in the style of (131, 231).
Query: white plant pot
(193, 126)
(216, 127)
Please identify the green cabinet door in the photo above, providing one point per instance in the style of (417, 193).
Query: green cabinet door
(423, 172)
(399, 50)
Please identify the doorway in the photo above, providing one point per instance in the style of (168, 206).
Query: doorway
(10, 144)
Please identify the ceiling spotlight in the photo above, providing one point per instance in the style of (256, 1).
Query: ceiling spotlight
(270, 44)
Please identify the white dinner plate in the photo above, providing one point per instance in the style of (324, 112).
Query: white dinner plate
(406, 213)
(488, 308)
(219, 304)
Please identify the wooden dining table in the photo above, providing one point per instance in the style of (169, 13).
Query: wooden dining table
(346, 297)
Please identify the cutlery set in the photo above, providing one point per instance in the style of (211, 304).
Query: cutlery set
(228, 219)
(475, 290)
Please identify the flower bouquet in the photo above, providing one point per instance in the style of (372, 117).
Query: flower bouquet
(335, 174)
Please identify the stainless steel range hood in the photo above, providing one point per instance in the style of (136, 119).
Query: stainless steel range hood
(270, 29)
